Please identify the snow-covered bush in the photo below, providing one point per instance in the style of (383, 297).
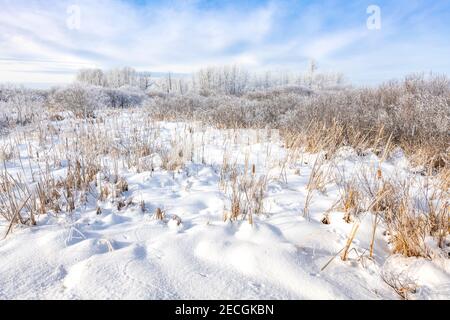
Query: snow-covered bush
(80, 99)
(413, 114)
(19, 106)
(124, 97)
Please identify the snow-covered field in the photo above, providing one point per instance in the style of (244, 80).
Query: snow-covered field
(167, 234)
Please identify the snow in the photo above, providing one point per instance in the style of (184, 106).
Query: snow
(192, 253)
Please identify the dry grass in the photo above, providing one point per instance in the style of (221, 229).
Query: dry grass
(409, 224)
(350, 201)
(411, 212)
(21, 202)
(350, 238)
(94, 151)
(246, 192)
(403, 285)
(412, 113)
(408, 229)
(320, 176)
(159, 214)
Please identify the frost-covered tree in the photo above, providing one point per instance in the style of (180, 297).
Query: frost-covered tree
(227, 80)
(145, 80)
(116, 78)
(120, 77)
(231, 80)
(93, 77)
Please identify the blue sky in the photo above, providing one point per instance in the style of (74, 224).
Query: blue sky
(37, 46)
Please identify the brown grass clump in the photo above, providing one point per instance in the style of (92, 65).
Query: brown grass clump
(438, 208)
(246, 192)
(350, 201)
(122, 185)
(160, 214)
(20, 203)
(409, 230)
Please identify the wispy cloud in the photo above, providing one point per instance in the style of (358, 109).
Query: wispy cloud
(181, 36)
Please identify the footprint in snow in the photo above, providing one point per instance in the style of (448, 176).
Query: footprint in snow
(140, 252)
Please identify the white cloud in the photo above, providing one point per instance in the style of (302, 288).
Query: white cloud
(182, 36)
(114, 33)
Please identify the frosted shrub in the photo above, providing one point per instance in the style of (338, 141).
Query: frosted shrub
(19, 106)
(80, 99)
(413, 114)
(124, 97)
